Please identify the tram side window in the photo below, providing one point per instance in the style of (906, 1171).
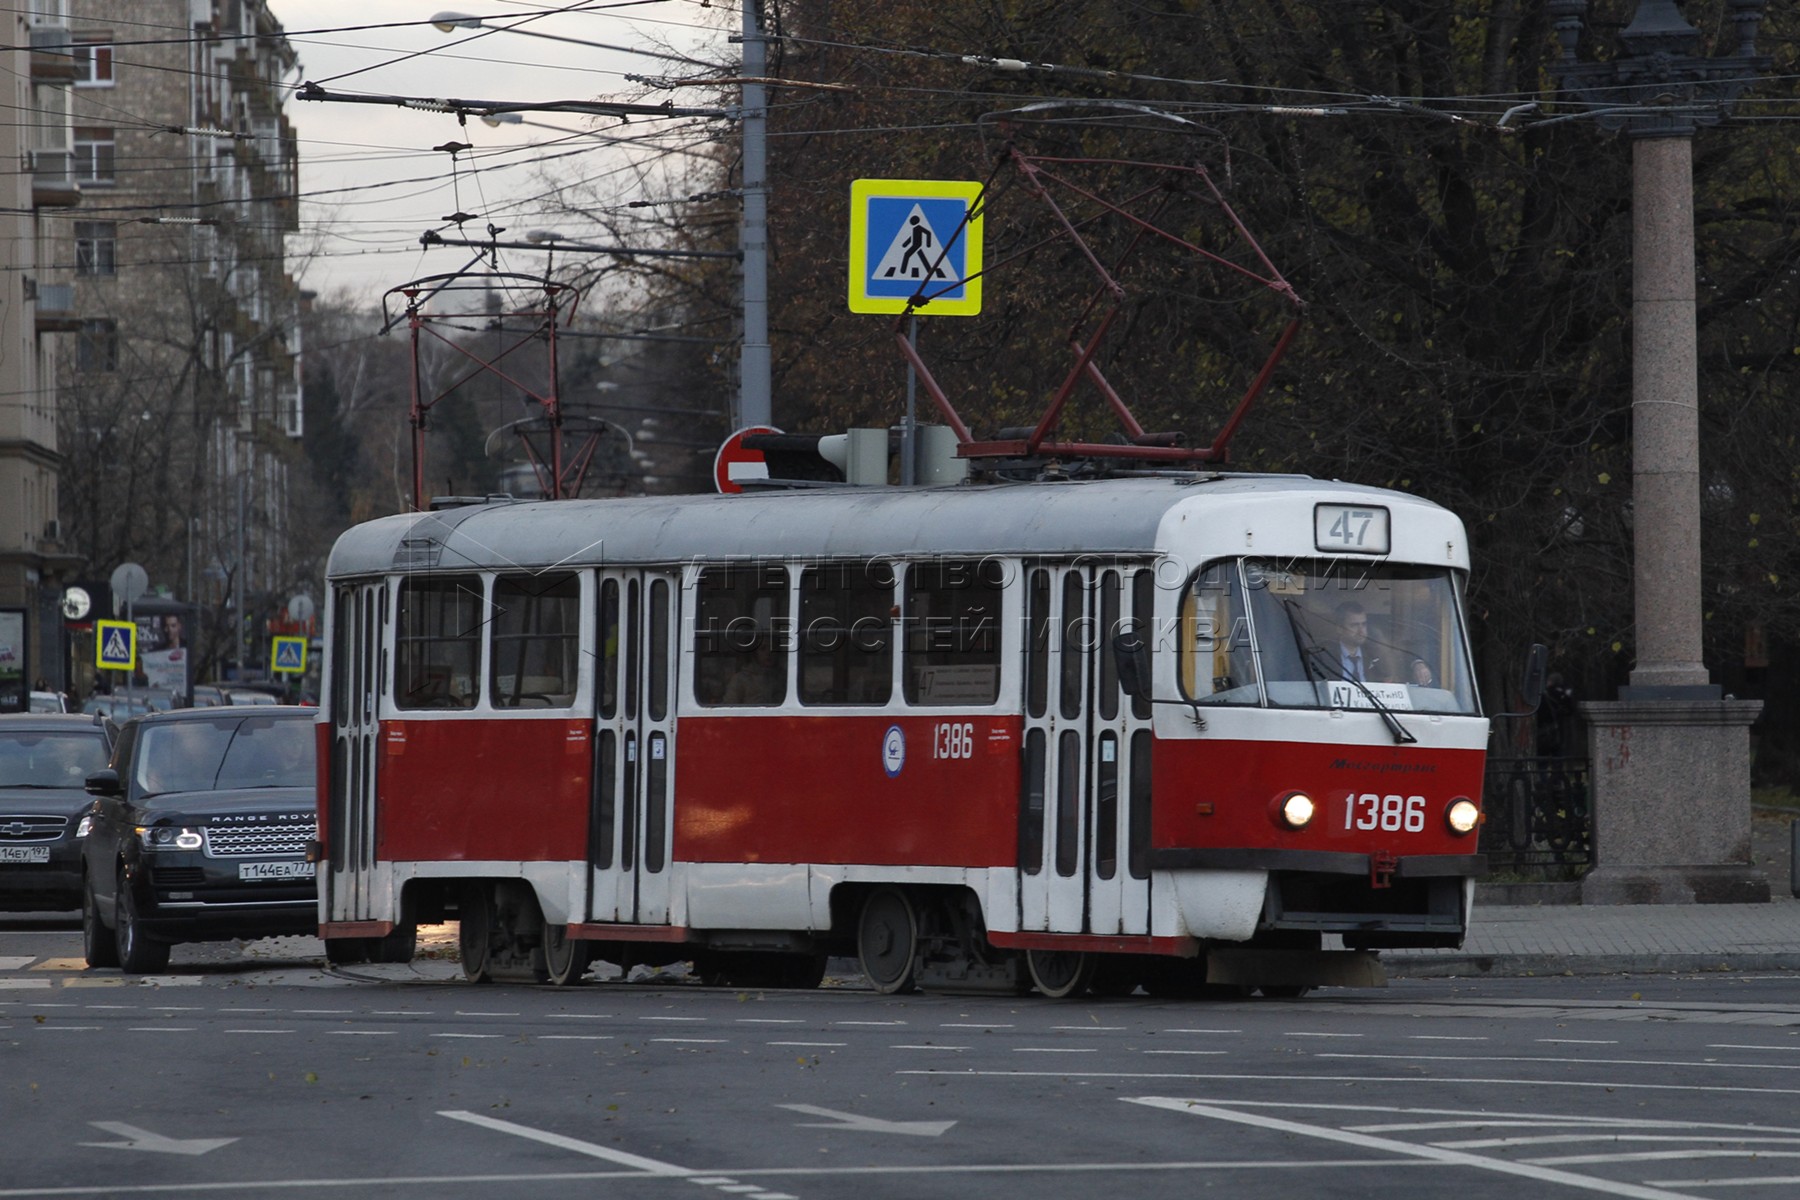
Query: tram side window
(439, 642)
(952, 651)
(846, 634)
(537, 641)
(741, 636)
(1217, 665)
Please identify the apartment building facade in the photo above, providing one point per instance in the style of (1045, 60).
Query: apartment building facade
(182, 404)
(36, 312)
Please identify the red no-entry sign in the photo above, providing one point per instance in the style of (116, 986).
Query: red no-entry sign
(734, 464)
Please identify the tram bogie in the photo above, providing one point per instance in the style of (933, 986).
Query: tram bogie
(1205, 736)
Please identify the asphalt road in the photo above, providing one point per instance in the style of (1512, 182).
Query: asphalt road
(262, 1074)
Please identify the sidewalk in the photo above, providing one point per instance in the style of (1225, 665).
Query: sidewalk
(1573, 939)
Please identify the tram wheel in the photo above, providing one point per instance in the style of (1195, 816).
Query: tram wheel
(565, 958)
(474, 933)
(1060, 974)
(887, 940)
(346, 952)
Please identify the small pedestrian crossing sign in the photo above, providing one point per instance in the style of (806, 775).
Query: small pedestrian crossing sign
(915, 241)
(287, 655)
(115, 645)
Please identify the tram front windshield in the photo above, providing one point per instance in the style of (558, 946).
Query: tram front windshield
(1326, 634)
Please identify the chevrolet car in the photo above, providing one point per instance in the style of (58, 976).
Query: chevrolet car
(44, 762)
(198, 832)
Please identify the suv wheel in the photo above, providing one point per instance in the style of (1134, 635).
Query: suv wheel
(96, 939)
(138, 954)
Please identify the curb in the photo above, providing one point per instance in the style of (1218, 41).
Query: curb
(1515, 966)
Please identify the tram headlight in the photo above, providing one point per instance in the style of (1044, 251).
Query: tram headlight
(1295, 810)
(1463, 815)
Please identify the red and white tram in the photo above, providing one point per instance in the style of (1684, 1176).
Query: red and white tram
(1196, 731)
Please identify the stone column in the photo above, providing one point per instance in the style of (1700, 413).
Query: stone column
(1670, 803)
(1665, 426)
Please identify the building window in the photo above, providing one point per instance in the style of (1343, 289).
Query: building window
(96, 248)
(93, 61)
(97, 346)
(94, 156)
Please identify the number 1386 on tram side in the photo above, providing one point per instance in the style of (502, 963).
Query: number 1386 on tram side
(1199, 734)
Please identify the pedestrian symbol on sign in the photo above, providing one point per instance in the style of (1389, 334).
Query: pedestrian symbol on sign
(115, 645)
(287, 655)
(915, 246)
(915, 251)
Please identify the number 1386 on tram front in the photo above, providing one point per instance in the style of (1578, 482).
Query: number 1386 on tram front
(1198, 734)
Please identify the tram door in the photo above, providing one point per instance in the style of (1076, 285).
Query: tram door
(630, 829)
(1084, 814)
(360, 613)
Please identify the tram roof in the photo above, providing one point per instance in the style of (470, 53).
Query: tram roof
(1118, 516)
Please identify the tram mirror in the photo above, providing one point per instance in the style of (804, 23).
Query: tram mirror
(1531, 688)
(1132, 659)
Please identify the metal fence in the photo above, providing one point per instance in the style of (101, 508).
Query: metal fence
(1539, 822)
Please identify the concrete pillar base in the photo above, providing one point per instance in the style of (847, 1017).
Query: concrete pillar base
(1729, 884)
(1671, 802)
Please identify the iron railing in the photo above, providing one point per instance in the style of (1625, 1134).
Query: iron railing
(1539, 821)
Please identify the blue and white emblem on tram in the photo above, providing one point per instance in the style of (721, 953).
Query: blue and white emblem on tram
(893, 751)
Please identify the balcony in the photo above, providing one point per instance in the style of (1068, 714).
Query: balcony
(53, 182)
(56, 308)
(52, 60)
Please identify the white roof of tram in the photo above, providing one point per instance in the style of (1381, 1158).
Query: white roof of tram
(1116, 516)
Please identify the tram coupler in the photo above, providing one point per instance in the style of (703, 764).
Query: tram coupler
(1295, 968)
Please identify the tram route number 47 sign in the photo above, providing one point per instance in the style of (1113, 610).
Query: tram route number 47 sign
(915, 238)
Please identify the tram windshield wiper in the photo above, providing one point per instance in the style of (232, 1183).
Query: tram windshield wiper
(1402, 736)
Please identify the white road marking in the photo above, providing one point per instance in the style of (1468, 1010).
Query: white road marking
(1745, 1046)
(269, 1031)
(581, 1016)
(1662, 1156)
(1576, 1042)
(109, 1007)
(21, 985)
(870, 1024)
(16, 962)
(1612, 1135)
(1586, 1062)
(1610, 1187)
(461, 1013)
(1442, 1037)
(324, 1012)
(1202, 1052)
(695, 1041)
(769, 1021)
(1765, 1181)
(859, 1123)
(649, 1166)
(1323, 1035)
(810, 1045)
(71, 1028)
(143, 1139)
(401, 1012)
(913, 1047)
(471, 1036)
(160, 1029)
(971, 1025)
(575, 1037)
(654, 1018)
(1056, 1050)
(1086, 1028)
(1410, 1081)
(1203, 1031)
(376, 1033)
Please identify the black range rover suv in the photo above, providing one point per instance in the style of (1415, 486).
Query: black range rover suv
(198, 833)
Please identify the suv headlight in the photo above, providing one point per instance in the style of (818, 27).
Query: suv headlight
(84, 826)
(169, 837)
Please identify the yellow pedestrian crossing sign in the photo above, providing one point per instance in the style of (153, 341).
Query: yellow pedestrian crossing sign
(915, 241)
(287, 655)
(115, 645)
